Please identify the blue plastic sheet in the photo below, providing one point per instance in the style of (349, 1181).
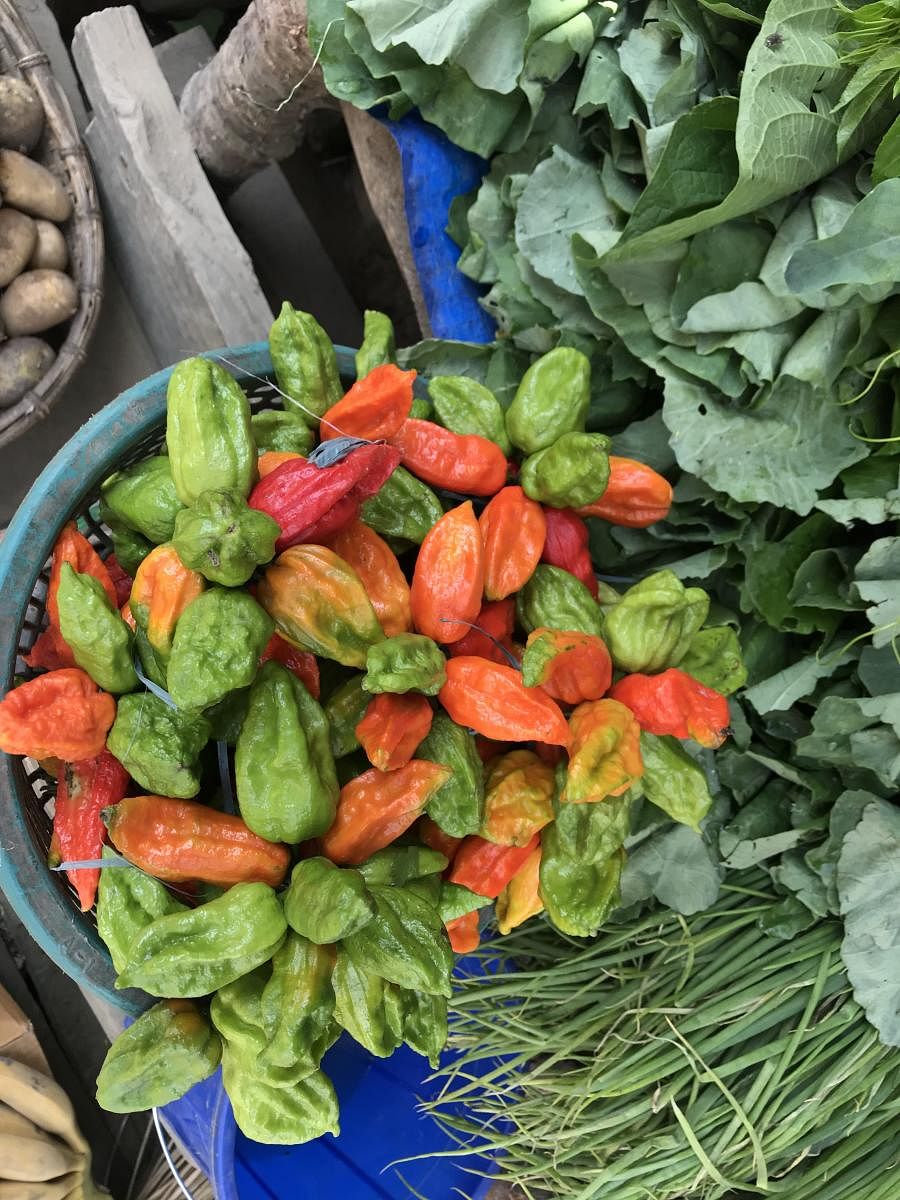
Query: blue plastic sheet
(434, 173)
(379, 1125)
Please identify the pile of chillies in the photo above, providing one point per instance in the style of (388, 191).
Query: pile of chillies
(325, 702)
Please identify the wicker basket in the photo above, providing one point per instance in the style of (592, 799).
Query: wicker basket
(130, 428)
(61, 151)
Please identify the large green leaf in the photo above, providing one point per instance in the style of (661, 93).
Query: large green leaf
(784, 689)
(887, 156)
(486, 38)
(677, 866)
(784, 450)
(562, 196)
(877, 581)
(868, 883)
(863, 252)
(783, 140)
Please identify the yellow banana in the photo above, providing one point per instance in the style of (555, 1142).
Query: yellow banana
(13, 1122)
(35, 1159)
(41, 1100)
(54, 1189)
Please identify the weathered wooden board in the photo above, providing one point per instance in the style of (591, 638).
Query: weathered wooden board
(188, 276)
(378, 160)
(289, 257)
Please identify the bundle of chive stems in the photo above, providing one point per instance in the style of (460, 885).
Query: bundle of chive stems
(673, 1058)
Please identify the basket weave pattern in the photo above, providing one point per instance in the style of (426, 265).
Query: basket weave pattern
(61, 151)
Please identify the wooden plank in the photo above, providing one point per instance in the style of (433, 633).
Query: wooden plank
(282, 242)
(378, 159)
(189, 278)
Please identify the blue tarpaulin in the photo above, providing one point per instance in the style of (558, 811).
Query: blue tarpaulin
(434, 173)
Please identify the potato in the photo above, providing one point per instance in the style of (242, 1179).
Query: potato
(21, 114)
(50, 249)
(31, 188)
(18, 239)
(22, 363)
(36, 301)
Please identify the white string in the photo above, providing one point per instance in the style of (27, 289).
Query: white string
(168, 1156)
(284, 395)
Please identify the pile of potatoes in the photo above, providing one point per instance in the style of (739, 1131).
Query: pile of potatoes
(37, 294)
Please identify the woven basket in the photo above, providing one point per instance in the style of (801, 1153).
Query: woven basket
(129, 429)
(60, 150)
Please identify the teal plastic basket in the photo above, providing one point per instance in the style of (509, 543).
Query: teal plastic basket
(128, 429)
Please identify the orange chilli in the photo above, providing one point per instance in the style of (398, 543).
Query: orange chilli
(495, 702)
(487, 868)
(375, 406)
(49, 650)
(163, 588)
(449, 576)
(393, 727)
(178, 840)
(273, 459)
(456, 461)
(62, 714)
(376, 807)
(570, 666)
(513, 528)
(636, 495)
(376, 564)
(677, 704)
(463, 933)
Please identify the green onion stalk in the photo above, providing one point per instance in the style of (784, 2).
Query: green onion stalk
(673, 1057)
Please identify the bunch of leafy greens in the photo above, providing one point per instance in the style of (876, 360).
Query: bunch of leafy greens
(693, 204)
(673, 1058)
(478, 69)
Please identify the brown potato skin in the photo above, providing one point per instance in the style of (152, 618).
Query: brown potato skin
(31, 188)
(18, 239)
(21, 115)
(22, 363)
(37, 300)
(50, 249)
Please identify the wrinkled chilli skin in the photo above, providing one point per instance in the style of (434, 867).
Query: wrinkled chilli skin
(208, 431)
(286, 782)
(156, 1060)
(552, 399)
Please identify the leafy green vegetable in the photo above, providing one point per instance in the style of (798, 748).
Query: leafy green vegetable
(868, 883)
(877, 581)
(784, 450)
(862, 252)
(677, 866)
(708, 1016)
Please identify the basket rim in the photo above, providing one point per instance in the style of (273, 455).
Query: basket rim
(86, 226)
(60, 490)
